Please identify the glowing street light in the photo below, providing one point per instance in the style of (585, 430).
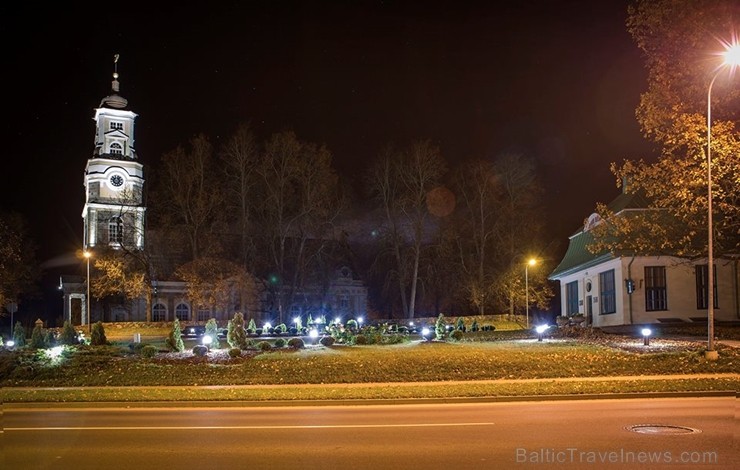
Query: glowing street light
(531, 262)
(731, 57)
(541, 331)
(87, 256)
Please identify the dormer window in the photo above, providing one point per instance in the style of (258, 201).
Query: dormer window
(116, 148)
(116, 126)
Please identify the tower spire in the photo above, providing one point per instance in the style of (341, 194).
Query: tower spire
(114, 84)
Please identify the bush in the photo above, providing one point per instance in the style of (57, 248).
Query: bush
(136, 347)
(49, 339)
(149, 351)
(19, 335)
(97, 336)
(174, 340)
(200, 350)
(279, 343)
(37, 338)
(296, 343)
(264, 346)
(360, 339)
(326, 341)
(212, 331)
(457, 335)
(235, 352)
(440, 328)
(69, 335)
(236, 335)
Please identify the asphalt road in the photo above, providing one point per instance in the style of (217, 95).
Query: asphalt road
(585, 434)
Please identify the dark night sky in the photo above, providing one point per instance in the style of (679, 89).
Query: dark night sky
(557, 81)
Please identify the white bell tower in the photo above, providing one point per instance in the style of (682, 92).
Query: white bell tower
(113, 215)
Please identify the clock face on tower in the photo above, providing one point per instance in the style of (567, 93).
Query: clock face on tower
(116, 181)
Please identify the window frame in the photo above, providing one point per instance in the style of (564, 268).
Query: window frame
(607, 292)
(656, 289)
(700, 273)
(571, 298)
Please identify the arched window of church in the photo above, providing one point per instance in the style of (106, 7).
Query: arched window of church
(116, 148)
(115, 230)
(182, 312)
(159, 313)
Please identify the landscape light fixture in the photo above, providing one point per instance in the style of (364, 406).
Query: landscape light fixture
(541, 331)
(731, 57)
(646, 332)
(425, 332)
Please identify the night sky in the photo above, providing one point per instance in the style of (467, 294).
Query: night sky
(555, 81)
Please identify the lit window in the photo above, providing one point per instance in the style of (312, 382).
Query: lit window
(116, 149)
(115, 230)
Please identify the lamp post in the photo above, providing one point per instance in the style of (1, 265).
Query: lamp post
(87, 256)
(531, 262)
(731, 58)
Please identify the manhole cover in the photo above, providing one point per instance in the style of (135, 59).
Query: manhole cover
(661, 429)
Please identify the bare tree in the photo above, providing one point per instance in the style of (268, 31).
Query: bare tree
(401, 183)
(190, 191)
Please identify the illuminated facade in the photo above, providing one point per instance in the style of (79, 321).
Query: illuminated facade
(614, 289)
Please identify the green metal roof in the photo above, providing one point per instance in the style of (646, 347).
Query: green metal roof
(578, 257)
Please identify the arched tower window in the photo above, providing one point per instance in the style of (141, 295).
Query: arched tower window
(116, 148)
(115, 230)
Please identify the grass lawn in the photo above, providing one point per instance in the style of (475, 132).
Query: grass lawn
(502, 365)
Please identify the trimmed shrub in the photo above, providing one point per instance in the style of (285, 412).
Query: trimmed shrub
(252, 328)
(19, 335)
(97, 336)
(237, 335)
(440, 328)
(37, 338)
(136, 347)
(174, 340)
(49, 339)
(200, 350)
(360, 339)
(235, 352)
(457, 335)
(474, 326)
(326, 341)
(69, 335)
(212, 331)
(279, 343)
(149, 350)
(460, 324)
(296, 343)
(264, 346)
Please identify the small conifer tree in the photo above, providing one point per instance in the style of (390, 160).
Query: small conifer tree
(460, 324)
(212, 331)
(174, 340)
(49, 339)
(69, 335)
(252, 328)
(37, 338)
(19, 335)
(97, 336)
(236, 335)
(440, 327)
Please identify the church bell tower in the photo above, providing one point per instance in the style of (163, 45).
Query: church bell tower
(113, 214)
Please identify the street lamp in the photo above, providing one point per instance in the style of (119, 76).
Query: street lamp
(731, 58)
(531, 262)
(87, 256)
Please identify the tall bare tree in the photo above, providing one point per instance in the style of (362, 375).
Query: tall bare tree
(240, 157)
(401, 183)
(190, 191)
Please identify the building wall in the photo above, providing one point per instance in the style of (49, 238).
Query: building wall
(681, 291)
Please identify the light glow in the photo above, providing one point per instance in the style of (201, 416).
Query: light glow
(646, 332)
(314, 333)
(542, 328)
(55, 352)
(207, 340)
(10, 343)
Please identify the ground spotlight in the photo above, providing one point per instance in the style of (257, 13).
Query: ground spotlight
(646, 332)
(541, 331)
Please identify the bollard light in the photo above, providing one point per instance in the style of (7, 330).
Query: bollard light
(646, 332)
(541, 331)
